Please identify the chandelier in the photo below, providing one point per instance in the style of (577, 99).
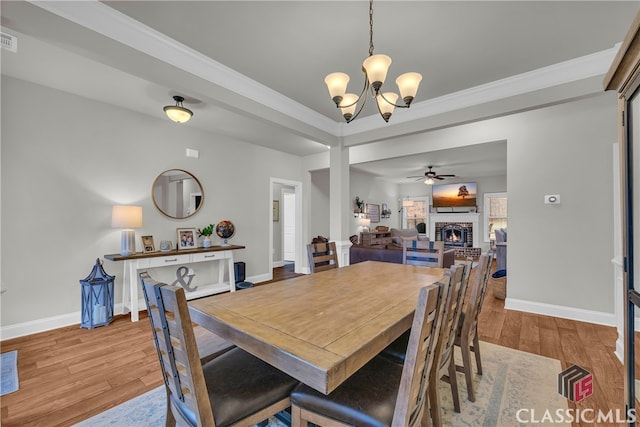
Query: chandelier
(375, 69)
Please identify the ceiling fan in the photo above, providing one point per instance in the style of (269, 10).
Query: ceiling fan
(430, 175)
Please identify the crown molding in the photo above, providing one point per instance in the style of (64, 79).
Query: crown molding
(117, 26)
(554, 75)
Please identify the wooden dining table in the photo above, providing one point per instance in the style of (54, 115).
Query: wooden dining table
(319, 328)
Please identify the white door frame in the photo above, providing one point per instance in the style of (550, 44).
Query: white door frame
(297, 185)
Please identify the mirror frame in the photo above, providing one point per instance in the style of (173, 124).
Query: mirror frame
(155, 202)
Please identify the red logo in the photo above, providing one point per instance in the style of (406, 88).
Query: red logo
(575, 383)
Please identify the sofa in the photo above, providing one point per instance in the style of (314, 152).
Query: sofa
(392, 252)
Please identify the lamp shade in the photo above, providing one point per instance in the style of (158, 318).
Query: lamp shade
(337, 85)
(365, 222)
(126, 216)
(407, 203)
(408, 84)
(377, 67)
(177, 112)
(386, 105)
(351, 102)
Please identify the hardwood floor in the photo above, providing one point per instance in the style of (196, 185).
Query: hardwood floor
(70, 374)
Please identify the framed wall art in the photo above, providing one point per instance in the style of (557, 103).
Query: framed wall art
(373, 212)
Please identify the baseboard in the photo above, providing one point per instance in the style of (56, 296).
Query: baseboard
(47, 324)
(572, 313)
(70, 319)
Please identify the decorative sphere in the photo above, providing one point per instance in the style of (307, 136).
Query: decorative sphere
(225, 229)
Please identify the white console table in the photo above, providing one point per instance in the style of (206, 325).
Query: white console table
(145, 261)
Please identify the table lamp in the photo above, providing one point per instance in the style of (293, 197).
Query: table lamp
(127, 218)
(364, 223)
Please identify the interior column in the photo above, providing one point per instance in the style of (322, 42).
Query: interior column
(339, 201)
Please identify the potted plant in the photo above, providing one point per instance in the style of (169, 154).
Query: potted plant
(206, 232)
(359, 205)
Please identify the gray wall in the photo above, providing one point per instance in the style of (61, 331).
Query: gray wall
(66, 160)
(562, 254)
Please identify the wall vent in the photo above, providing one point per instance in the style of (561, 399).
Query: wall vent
(9, 42)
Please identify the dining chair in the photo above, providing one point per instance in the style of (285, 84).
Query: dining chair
(322, 256)
(382, 393)
(423, 253)
(444, 366)
(234, 388)
(210, 345)
(467, 335)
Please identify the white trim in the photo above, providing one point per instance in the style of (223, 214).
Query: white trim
(117, 26)
(277, 264)
(572, 313)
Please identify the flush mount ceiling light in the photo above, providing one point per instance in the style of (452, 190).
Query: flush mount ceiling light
(177, 112)
(375, 69)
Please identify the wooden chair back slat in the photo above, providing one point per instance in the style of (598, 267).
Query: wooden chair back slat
(178, 352)
(432, 257)
(411, 404)
(478, 290)
(322, 256)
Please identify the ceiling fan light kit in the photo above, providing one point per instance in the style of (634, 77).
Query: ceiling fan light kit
(375, 69)
(177, 112)
(430, 176)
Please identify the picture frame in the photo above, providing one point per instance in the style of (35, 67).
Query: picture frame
(187, 238)
(373, 212)
(276, 210)
(147, 244)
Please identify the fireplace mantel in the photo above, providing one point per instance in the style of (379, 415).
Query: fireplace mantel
(472, 217)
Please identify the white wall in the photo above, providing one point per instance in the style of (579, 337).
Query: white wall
(66, 160)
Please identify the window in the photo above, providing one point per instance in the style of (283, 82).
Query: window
(416, 214)
(495, 214)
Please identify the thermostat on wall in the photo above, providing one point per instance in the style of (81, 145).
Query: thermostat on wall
(552, 199)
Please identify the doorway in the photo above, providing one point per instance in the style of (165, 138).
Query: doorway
(288, 226)
(285, 226)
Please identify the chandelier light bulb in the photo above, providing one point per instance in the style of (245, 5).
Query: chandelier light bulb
(348, 105)
(177, 112)
(387, 104)
(337, 85)
(376, 67)
(408, 84)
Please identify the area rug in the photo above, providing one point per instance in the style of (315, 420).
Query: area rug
(515, 389)
(512, 380)
(146, 410)
(9, 372)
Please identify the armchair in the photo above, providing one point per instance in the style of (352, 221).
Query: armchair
(501, 249)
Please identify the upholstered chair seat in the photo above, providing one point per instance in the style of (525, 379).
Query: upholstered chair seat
(239, 385)
(366, 399)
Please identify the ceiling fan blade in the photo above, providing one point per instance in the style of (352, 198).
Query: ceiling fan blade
(416, 176)
(447, 176)
(438, 177)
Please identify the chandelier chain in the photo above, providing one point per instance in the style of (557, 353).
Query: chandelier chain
(370, 27)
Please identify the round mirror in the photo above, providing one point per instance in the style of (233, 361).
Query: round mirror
(177, 194)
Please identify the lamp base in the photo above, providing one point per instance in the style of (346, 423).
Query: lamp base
(128, 243)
